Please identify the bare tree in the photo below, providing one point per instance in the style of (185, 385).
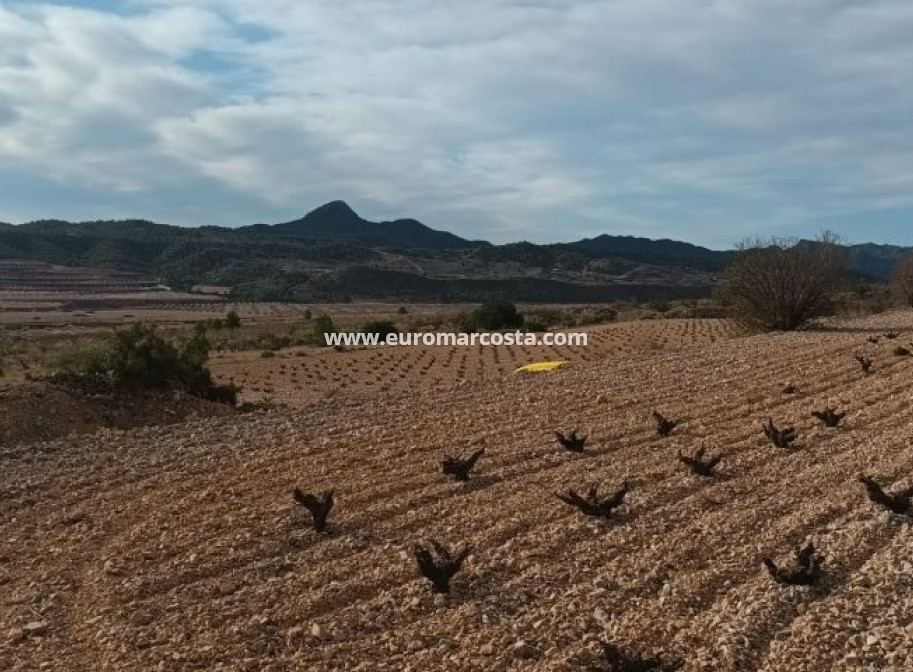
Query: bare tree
(698, 465)
(572, 442)
(781, 438)
(441, 570)
(830, 417)
(459, 468)
(664, 425)
(592, 505)
(782, 284)
(805, 572)
(319, 507)
(902, 280)
(616, 659)
(897, 502)
(865, 363)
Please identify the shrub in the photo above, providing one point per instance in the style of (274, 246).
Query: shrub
(322, 325)
(214, 324)
(381, 327)
(138, 358)
(868, 299)
(902, 280)
(596, 315)
(548, 317)
(232, 320)
(574, 316)
(496, 315)
(401, 310)
(272, 341)
(783, 284)
(82, 360)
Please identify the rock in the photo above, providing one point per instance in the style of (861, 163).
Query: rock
(602, 399)
(487, 649)
(315, 630)
(227, 588)
(525, 651)
(73, 518)
(141, 618)
(35, 629)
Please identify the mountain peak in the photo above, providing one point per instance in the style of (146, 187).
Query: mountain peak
(336, 220)
(339, 211)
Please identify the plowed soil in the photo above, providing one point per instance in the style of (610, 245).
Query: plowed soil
(298, 376)
(181, 548)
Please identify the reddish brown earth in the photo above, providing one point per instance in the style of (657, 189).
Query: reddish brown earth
(33, 411)
(180, 547)
(298, 376)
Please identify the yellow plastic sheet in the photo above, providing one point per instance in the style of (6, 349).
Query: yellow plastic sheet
(536, 367)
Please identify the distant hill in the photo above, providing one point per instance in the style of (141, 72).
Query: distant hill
(333, 253)
(876, 262)
(337, 221)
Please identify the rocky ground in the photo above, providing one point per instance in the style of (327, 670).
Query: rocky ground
(39, 410)
(181, 548)
(296, 376)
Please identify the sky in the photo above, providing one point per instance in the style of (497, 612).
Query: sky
(701, 120)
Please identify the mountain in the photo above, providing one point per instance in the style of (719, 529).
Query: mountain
(337, 221)
(333, 253)
(645, 250)
(875, 262)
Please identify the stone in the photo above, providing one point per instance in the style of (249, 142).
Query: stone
(35, 629)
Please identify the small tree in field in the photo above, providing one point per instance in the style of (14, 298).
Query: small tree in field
(233, 320)
(322, 325)
(782, 284)
(903, 279)
(496, 315)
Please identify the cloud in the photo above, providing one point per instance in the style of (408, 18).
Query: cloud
(707, 120)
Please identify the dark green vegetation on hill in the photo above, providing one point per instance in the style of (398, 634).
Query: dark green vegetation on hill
(332, 253)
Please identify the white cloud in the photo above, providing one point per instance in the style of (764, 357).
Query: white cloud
(702, 119)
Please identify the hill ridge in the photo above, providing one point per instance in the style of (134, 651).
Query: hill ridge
(319, 257)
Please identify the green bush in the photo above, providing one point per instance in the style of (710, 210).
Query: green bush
(496, 315)
(381, 327)
(322, 325)
(232, 319)
(271, 341)
(138, 358)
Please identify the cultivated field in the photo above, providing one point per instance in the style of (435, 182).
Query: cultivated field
(181, 548)
(298, 376)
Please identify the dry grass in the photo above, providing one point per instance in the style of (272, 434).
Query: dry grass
(181, 548)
